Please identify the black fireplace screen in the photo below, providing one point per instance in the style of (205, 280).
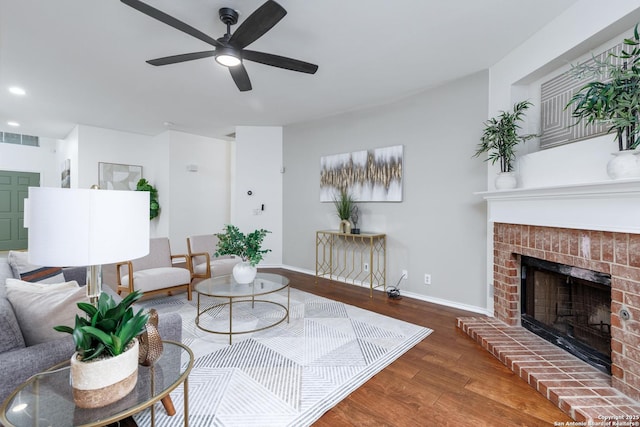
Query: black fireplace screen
(570, 307)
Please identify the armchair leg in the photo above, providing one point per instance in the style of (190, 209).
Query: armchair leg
(168, 405)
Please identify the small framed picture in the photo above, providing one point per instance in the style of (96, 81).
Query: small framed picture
(116, 176)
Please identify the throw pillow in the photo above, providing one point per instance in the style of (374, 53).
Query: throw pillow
(19, 263)
(40, 307)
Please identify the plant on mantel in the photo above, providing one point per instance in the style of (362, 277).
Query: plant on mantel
(613, 98)
(500, 136)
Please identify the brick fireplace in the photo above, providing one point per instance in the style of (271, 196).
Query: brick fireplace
(617, 254)
(594, 227)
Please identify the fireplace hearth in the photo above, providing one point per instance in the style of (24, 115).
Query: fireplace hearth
(569, 307)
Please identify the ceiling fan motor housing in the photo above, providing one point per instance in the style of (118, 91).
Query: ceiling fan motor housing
(228, 16)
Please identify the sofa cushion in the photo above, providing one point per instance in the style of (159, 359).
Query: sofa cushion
(5, 273)
(40, 307)
(158, 278)
(23, 270)
(10, 334)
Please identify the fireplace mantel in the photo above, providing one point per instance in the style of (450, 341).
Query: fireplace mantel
(603, 206)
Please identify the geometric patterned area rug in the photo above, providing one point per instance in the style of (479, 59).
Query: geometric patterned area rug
(288, 375)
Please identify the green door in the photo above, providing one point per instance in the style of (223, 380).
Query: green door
(13, 190)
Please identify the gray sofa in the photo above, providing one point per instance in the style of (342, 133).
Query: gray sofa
(18, 362)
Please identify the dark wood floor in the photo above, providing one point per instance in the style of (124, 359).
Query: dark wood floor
(446, 380)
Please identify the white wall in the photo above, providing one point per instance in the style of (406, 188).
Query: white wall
(42, 160)
(440, 226)
(106, 145)
(199, 200)
(190, 202)
(258, 163)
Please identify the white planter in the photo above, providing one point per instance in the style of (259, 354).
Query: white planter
(99, 383)
(244, 272)
(624, 164)
(506, 181)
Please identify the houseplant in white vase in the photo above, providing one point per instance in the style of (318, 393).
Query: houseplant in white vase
(499, 139)
(345, 205)
(104, 367)
(613, 99)
(246, 246)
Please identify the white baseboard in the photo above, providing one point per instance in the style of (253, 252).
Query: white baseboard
(439, 301)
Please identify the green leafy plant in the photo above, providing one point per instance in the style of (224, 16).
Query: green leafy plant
(108, 328)
(614, 97)
(154, 205)
(344, 204)
(248, 247)
(500, 136)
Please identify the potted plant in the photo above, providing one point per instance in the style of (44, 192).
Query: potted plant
(613, 99)
(104, 367)
(247, 246)
(499, 139)
(154, 205)
(344, 204)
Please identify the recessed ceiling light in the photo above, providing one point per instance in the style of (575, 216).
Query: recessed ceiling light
(14, 124)
(17, 90)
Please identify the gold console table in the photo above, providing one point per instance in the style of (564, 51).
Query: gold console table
(352, 258)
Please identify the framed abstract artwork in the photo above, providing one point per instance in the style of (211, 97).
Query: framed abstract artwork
(369, 176)
(65, 174)
(116, 176)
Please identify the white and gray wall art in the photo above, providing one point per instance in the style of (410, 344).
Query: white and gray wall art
(369, 176)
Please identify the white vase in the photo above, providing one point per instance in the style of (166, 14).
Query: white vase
(624, 164)
(98, 383)
(244, 272)
(506, 181)
(345, 226)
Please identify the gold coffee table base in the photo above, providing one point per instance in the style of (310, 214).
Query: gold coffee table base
(226, 288)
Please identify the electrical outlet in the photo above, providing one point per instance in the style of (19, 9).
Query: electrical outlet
(365, 266)
(405, 274)
(427, 279)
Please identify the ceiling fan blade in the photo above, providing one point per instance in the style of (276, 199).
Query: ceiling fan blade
(256, 24)
(171, 21)
(241, 77)
(279, 61)
(181, 58)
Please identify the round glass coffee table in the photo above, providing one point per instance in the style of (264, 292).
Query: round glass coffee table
(46, 399)
(233, 293)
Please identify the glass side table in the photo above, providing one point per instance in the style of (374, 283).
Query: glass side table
(46, 399)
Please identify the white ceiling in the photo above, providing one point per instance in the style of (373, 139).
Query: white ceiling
(83, 61)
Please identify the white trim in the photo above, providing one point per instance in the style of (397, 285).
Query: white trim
(438, 301)
(603, 206)
(447, 303)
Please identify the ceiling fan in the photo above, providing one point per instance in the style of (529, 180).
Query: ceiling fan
(230, 49)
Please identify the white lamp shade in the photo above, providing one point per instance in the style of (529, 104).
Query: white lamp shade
(83, 227)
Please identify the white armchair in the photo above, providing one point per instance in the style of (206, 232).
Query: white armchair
(154, 273)
(203, 263)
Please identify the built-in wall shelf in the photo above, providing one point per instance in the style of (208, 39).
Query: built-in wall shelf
(606, 206)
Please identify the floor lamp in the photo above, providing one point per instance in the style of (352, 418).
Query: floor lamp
(87, 227)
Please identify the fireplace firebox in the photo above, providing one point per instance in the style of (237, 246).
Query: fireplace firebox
(569, 307)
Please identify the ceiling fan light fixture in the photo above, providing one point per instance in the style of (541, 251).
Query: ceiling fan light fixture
(227, 57)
